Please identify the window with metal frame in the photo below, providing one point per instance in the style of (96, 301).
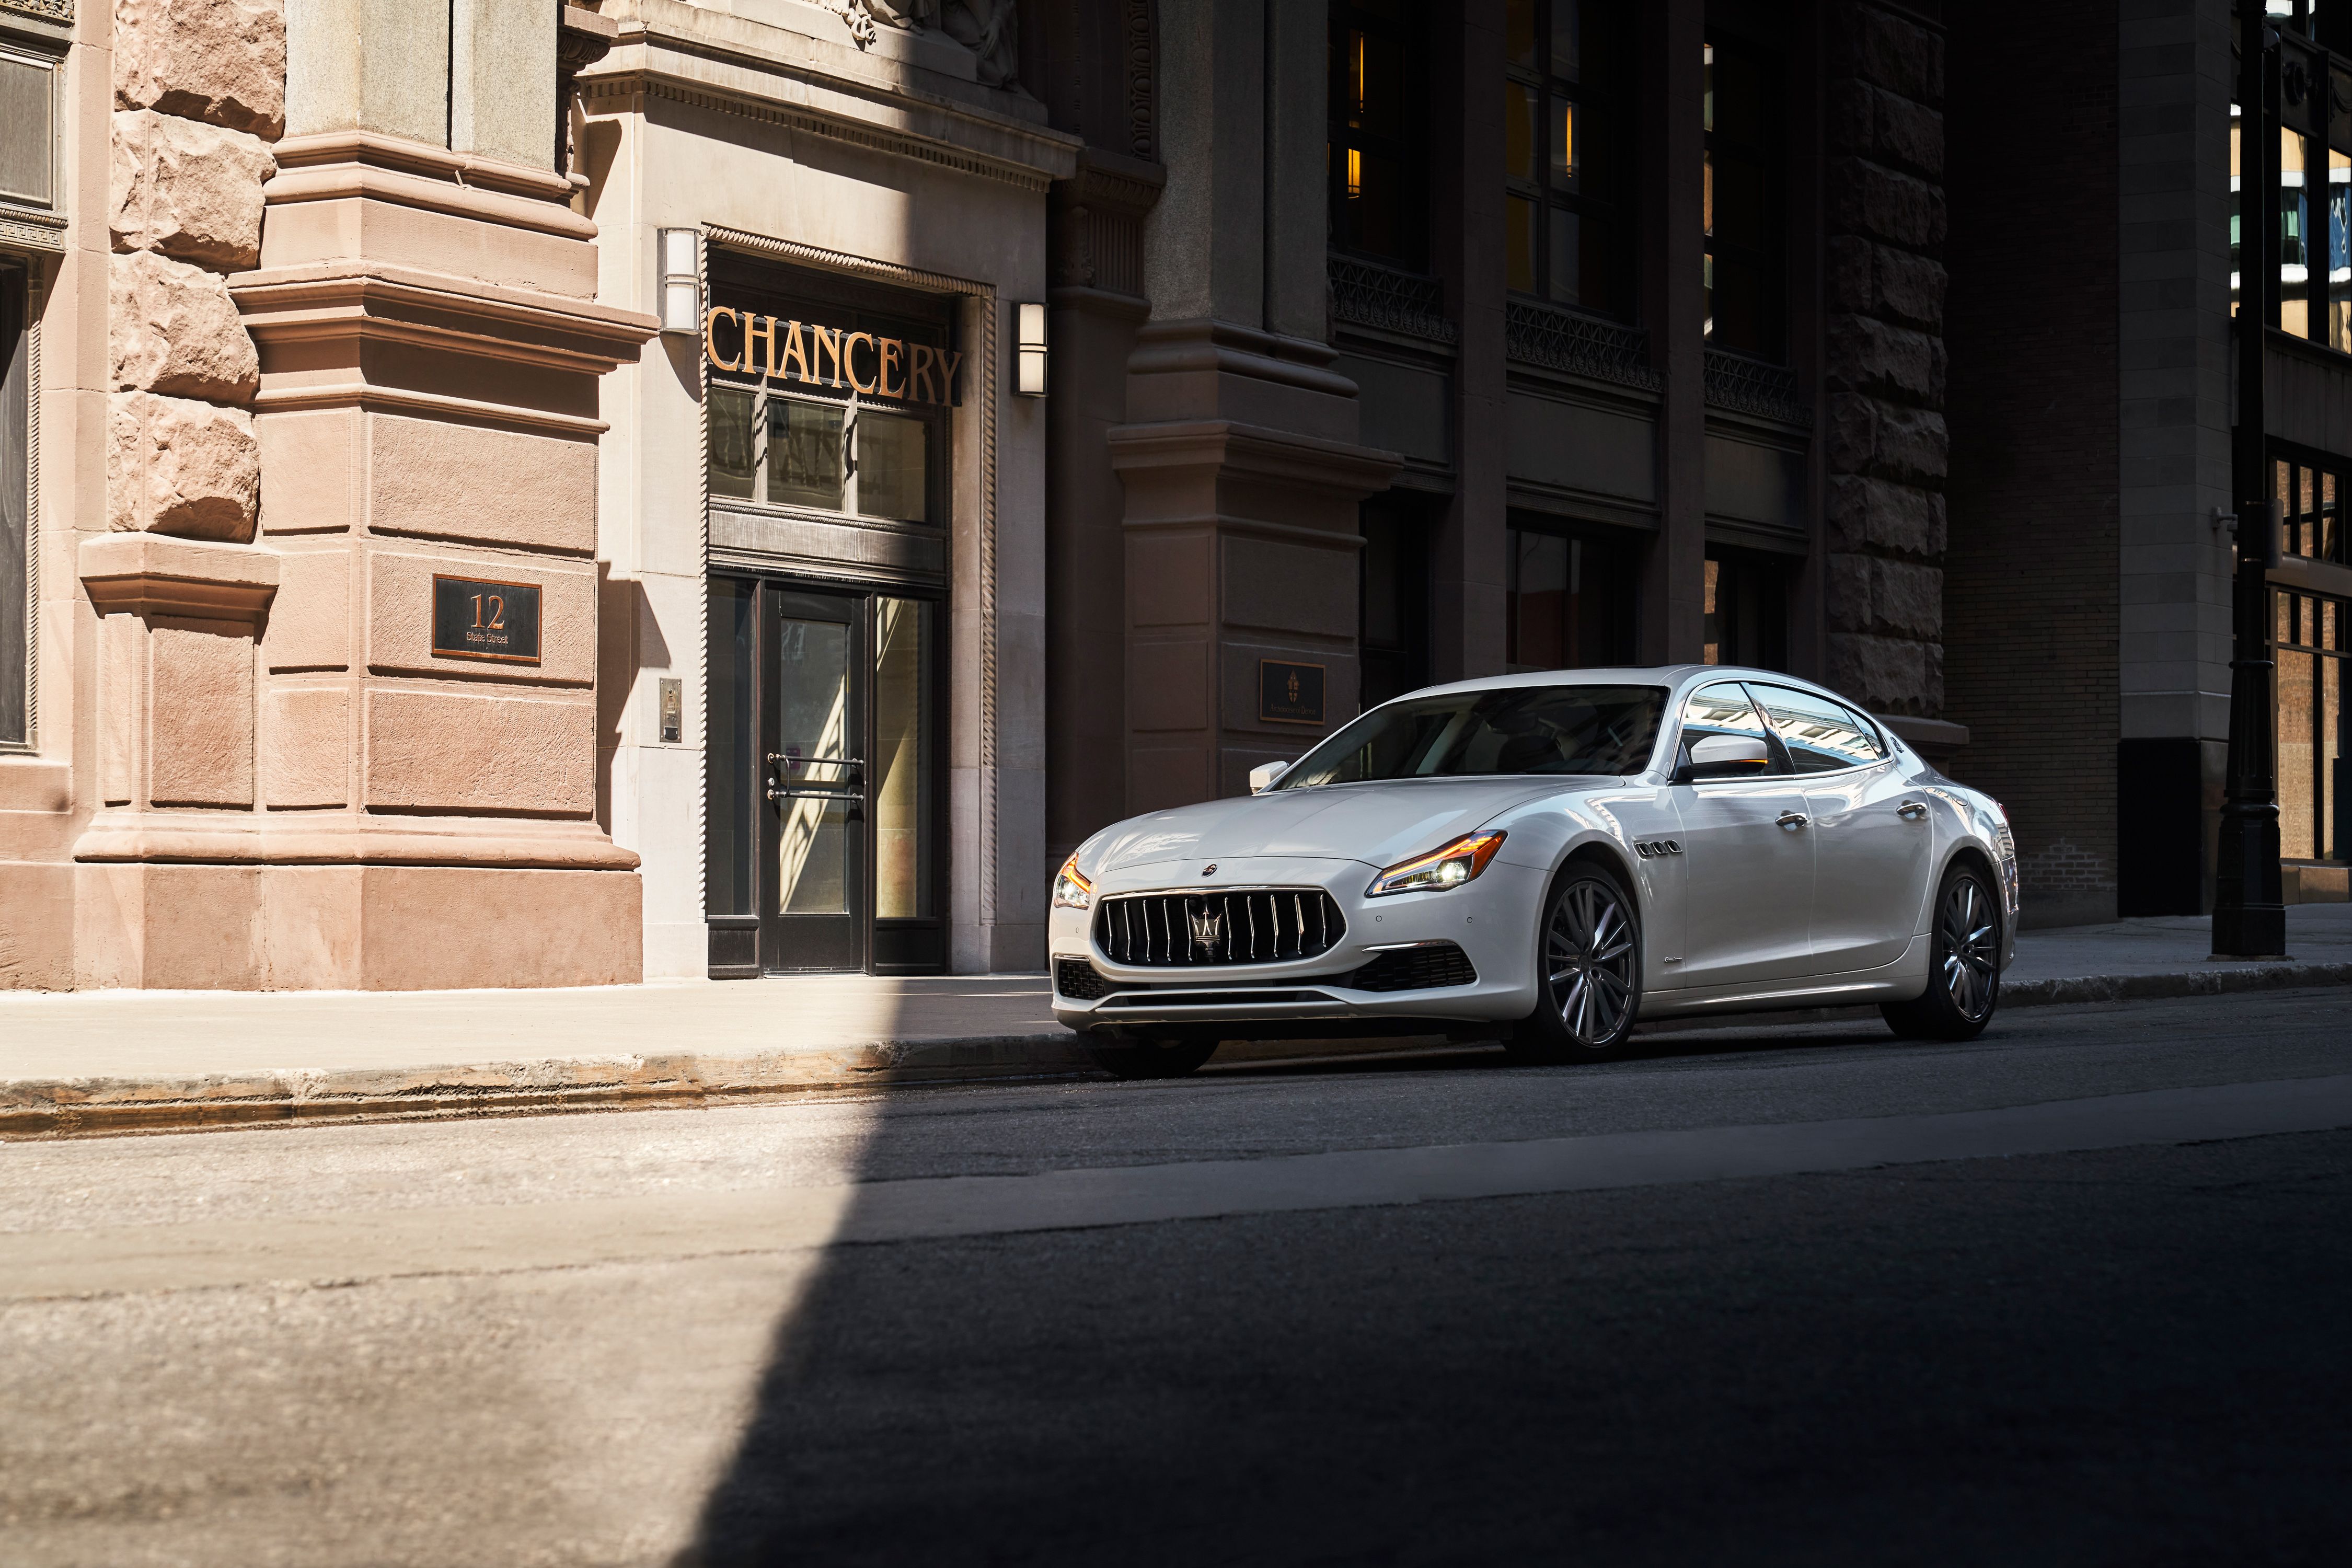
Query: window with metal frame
(1377, 157)
(1568, 119)
(2311, 640)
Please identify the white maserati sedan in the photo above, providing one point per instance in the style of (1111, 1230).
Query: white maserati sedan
(1545, 858)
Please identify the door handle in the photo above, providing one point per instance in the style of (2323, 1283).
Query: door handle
(1792, 820)
(1912, 811)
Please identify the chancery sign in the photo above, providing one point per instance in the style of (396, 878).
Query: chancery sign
(862, 362)
(1289, 693)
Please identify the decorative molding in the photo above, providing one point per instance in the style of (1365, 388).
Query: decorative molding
(985, 380)
(60, 11)
(850, 132)
(1580, 344)
(27, 228)
(1142, 121)
(1371, 295)
(1742, 385)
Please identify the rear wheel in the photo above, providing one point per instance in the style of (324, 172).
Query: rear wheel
(1589, 992)
(1963, 963)
(1154, 1056)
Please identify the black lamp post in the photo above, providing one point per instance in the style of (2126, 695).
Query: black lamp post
(2249, 919)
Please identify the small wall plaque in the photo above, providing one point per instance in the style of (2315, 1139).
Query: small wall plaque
(473, 619)
(1289, 693)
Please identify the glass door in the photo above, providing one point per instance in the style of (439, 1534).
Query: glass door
(825, 829)
(813, 746)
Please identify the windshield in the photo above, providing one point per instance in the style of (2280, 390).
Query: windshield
(1520, 730)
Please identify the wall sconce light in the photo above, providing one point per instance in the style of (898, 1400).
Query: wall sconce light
(679, 299)
(1029, 350)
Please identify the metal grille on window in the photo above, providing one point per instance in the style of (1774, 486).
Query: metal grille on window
(1265, 926)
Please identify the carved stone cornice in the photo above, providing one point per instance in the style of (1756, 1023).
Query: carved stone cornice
(62, 12)
(156, 573)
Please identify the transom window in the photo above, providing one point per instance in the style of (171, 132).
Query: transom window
(850, 457)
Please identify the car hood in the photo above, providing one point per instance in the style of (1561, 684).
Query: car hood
(1379, 823)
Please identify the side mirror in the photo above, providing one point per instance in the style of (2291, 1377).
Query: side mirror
(1265, 775)
(1724, 757)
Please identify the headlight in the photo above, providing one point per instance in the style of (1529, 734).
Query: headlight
(1449, 867)
(1072, 891)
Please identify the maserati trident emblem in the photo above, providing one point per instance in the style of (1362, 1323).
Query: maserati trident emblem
(1210, 870)
(1208, 930)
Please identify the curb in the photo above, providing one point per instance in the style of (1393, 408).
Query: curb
(67, 1107)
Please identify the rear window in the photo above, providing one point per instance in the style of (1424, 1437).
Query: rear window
(1540, 730)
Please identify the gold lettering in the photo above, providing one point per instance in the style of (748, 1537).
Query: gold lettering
(753, 333)
(478, 611)
(947, 364)
(828, 340)
(892, 349)
(919, 374)
(862, 388)
(710, 337)
(497, 613)
(792, 353)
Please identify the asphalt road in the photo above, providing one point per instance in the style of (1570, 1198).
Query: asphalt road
(2074, 1293)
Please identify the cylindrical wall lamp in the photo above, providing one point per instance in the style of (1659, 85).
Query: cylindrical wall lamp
(678, 293)
(1029, 350)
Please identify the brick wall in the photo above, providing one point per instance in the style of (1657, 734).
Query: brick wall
(2031, 593)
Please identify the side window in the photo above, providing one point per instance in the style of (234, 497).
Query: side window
(1821, 736)
(1721, 709)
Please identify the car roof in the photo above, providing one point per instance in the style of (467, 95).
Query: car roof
(1675, 677)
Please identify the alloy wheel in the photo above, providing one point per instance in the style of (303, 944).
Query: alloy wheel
(1588, 952)
(1970, 964)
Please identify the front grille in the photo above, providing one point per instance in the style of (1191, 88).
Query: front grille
(1419, 968)
(1078, 980)
(1266, 926)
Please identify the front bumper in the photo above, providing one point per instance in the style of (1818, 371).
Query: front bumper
(1491, 920)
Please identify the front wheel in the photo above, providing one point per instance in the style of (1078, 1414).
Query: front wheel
(1963, 964)
(1589, 992)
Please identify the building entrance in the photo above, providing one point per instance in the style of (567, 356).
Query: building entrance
(824, 822)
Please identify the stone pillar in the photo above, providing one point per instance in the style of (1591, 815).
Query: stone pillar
(1239, 458)
(300, 790)
(1674, 573)
(1887, 450)
(1466, 611)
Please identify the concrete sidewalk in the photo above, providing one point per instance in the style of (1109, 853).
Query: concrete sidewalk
(140, 1060)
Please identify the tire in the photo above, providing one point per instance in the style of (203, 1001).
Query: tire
(1170, 1056)
(1589, 987)
(1963, 963)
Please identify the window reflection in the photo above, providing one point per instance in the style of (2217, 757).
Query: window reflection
(1565, 119)
(1565, 601)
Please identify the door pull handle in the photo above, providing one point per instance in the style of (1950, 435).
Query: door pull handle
(1792, 820)
(1912, 811)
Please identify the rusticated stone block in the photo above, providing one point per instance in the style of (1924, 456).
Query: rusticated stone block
(188, 190)
(221, 61)
(1888, 675)
(1913, 445)
(177, 465)
(1853, 434)
(173, 329)
(1850, 279)
(1910, 135)
(1850, 117)
(1875, 515)
(1905, 520)
(1886, 49)
(1906, 598)
(1909, 287)
(1849, 593)
(1869, 198)
(1868, 355)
